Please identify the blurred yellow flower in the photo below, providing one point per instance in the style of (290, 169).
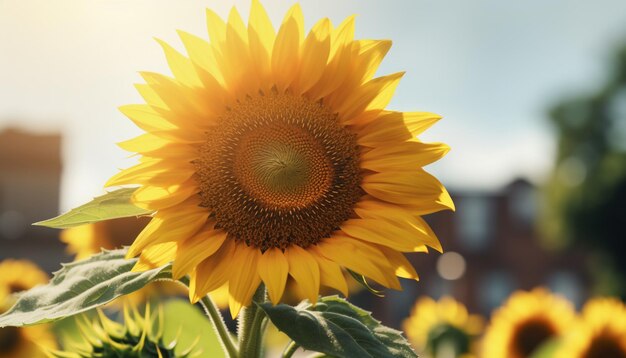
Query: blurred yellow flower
(16, 276)
(22, 342)
(599, 333)
(270, 155)
(86, 240)
(527, 320)
(434, 325)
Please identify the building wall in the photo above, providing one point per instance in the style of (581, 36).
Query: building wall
(30, 181)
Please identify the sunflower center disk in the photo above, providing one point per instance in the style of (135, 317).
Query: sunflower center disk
(282, 166)
(9, 339)
(279, 170)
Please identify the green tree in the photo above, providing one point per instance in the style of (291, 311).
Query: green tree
(587, 190)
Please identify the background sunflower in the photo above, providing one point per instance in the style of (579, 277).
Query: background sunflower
(527, 320)
(435, 326)
(600, 331)
(23, 342)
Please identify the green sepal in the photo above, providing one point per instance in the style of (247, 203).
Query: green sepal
(363, 282)
(79, 287)
(337, 328)
(112, 205)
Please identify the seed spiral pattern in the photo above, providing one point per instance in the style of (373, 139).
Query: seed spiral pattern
(279, 170)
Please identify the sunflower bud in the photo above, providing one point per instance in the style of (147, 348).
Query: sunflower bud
(139, 336)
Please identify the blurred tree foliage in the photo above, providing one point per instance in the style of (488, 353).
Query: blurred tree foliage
(587, 190)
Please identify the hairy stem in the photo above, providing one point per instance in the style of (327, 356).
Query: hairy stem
(218, 324)
(252, 326)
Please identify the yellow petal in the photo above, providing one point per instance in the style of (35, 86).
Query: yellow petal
(146, 118)
(398, 261)
(172, 224)
(202, 54)
(342, 36)
(285, 54)
(369, 100)
(371, 53)
(146, 142)
(196, 249)
(150, 145)
(244, 278)
(261, 37)
(186, 107)
(402, 238)
(213, 272)
(273, 269)
(365, 57)
(314, 55)
(370, 208)
(156, 256)
(304, 269)
(330, 272)
(159, 197)
(261, 25)
(150, 120)
(235, 28)
(357, 256)
(148, 94)
(403, 156)
(340, 63)
(182, 68)
(236, 62)
(155, 172)
(418, 189)
(216, 27)
(395, 127)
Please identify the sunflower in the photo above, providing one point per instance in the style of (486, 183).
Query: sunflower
(270, 155)
(601, 331)
(526, 321)
(433, 324)
(21, 342)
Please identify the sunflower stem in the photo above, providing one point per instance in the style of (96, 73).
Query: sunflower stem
(252, 326)
(218, 323)
(290, 349)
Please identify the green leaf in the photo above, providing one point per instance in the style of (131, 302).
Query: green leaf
(79, 287)
(187, 325)
(112, 205)
(338, 328)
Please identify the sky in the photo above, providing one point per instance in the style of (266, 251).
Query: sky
(492, 68)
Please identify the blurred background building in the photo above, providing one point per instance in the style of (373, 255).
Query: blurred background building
(30, 182)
